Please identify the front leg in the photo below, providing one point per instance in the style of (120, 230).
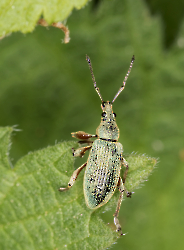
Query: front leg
(82, 135)
(85, 137)
(73, 178)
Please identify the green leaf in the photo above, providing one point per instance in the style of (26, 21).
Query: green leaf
(140, 168)
(46, 89)
(7, 176)
(23, 15)
(34, 215)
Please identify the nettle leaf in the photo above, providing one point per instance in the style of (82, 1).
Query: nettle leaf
(23, 15)
(34, 215)
(140, 168)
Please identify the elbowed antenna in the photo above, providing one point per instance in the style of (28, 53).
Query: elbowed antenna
(93, 77)
(126, 77)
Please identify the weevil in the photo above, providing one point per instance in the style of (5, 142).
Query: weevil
(102, 174)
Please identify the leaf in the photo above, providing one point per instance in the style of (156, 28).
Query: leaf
(140, 167)
(23, 15)
(34, 215)
(48, 91)
(6, 175)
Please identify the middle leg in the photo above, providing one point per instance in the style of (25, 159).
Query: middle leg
(80, 151)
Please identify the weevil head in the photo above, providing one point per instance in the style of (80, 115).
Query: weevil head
(108, 128)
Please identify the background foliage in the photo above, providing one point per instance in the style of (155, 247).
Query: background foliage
(46, 89)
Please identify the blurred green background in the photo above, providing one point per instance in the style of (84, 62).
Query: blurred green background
(47, 91)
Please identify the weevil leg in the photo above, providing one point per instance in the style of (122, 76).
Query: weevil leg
(85, 137)
(73, 178)
(82, 135)
(80, 151)
(128, 194)
(122, 189)
(116, 221)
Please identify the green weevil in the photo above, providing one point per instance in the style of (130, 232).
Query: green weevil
(102, 174)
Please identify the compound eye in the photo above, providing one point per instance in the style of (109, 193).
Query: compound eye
(104, 114)
(114, 114)
(103, 104)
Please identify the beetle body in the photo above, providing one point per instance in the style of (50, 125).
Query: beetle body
(103, 167)
(102, 172)
(104, 161)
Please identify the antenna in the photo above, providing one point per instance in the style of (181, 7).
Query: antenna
(93, 77)
(126, 77)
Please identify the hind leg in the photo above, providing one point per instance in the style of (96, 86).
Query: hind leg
(73, 178)
(116, 221)
(122, 189)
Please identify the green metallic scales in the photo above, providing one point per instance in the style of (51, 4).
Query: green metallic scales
(102, 172)
(104, 162)
(108, 128)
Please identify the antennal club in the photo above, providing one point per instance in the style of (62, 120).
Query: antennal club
(93, 77)
(126, 77)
